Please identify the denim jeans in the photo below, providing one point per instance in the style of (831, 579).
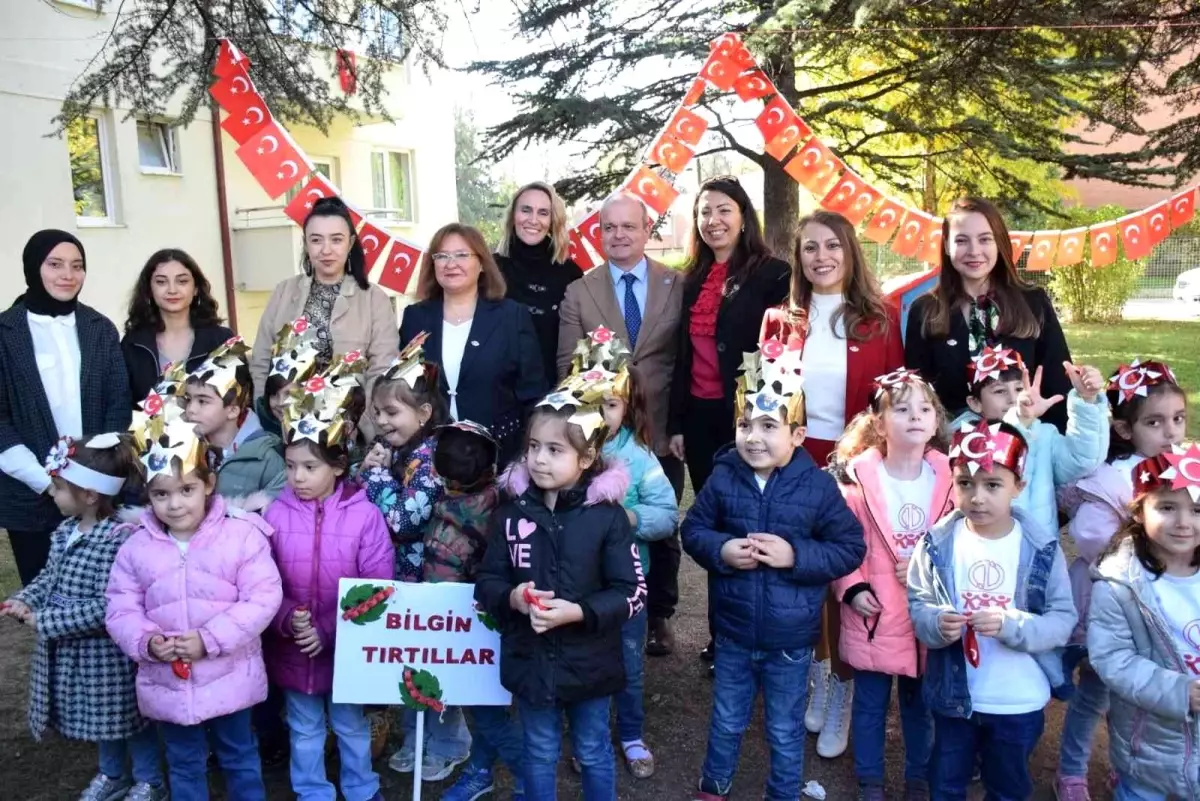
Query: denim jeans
(868, 726)
(1087, 706)
(233, 742)
(1128, 791)
(495, 735)
(141, 750)
(591, 744)
(783, 677)
(446, 734)
(306, 716)
(1001, 743)
(630, 712)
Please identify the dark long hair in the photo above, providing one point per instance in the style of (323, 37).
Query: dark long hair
(356, 260)
(1134, 530)
(863, 313)
(144, 312)
(1128, 412)
(1004, 283)
(751, 250)
(637, 412)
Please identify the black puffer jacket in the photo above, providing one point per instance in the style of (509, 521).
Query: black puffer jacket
(140, 348)
(584, 552)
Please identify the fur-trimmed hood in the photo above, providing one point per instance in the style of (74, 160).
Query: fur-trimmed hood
(608, 487)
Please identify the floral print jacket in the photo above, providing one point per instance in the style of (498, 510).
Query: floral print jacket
(406, 494)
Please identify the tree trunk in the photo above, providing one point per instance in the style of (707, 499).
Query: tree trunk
(781, 193)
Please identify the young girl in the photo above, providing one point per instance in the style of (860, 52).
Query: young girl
(1142, 631)
(189, 597)
(81, 685)
(1149, 415)
(562, 576)
(897, 483)
(325, 530)
(293, 360)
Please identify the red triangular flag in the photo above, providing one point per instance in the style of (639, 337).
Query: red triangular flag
(1017, 240)
(373, 240)
(1135, 238)
(579, 252)
(1183, 207)
(1041, 251)
(316, 188)
(241, 124)
(229, 60)
(654, 191)
(1158, 221)
(930, 251)
(401, 263)
(1102, 244)
(852, 198)
(753, 85)
(1070, 247)
(695, 93)
(908, 240)
(670, 153)
(275, 162)
(233, 92)
(721, 72)
(814, 167)
(886, 218)
(590, 230)
(687, 126)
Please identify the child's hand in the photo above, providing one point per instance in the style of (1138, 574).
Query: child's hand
(556, 612)
(521, 596)
(988, 622)
(772, 550)
(378, 456)
(866, 604)
(1030, 403)
(309, 641)
(1086, 380)
(739, 554)
(16, 610)
(1194, 696)
(189, 647)
(301, 620)
(902, 571)
(162, 648)
(950, 626)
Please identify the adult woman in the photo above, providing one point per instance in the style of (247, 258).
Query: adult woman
(172, 318)
(61, 373)
(836, 316)
(533, 259)
(979, 300)
(491, 364)
(348, 313)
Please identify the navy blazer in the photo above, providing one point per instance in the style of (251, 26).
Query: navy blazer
(25, 416)
(501, 376)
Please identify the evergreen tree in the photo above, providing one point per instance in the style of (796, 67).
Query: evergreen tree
(481, 198)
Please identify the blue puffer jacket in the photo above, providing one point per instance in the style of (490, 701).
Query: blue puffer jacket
(771, 609)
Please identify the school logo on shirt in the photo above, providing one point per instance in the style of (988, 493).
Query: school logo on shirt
(984, 578)
(911, 519)
(1191, 635)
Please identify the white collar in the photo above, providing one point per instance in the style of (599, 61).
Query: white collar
(64, 320)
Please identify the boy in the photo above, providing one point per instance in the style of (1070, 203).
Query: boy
(217, 399)
(989, 595)
(773, 531)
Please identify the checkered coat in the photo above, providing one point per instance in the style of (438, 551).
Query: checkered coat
(80, 684)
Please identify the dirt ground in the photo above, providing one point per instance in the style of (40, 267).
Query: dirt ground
(677, 711)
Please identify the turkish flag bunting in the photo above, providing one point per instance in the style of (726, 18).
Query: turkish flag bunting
(730, 46)
(721, 72)
(229, 60)
(374, 240)
(1102, 244)
(886, 218)
(579, 252)
(235, 91)
(1183, 207)
(908, 240)
(1018, 240)
(401, 263)
(753, 85)
(316, 188)
(852, 198)
(1135, 236)
(1070, 247)
(670, 153)
(1158, 221)
(931, 242)
(695, 94)
(781, 128)
(590, 230)
(814, 167)
(687, 126)
(1041, 251)
(656, 192)
(243, 123)
(275, 162)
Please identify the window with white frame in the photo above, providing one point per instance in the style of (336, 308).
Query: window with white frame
(392, 184)
(91, 171)
(158, 149)
(325, 166)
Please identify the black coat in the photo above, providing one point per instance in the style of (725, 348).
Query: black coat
(738, 323)
(140, 347)
(584, 552)
(944, 361)
(501, 375)
(25, 416)
(540, 287)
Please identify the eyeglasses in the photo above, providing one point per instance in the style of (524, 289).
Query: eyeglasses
(457, 256)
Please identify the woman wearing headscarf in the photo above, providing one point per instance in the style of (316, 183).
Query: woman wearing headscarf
(61, 374)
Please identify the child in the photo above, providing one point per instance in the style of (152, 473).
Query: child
(1000, 389)
(1149, 415)
(190, 594)
(773, 531)
(293, 360)
(989, 577)
(81, 684)
(217, 400)
(325, 530)
(561, 575)
(1142, 631)
(897, 483)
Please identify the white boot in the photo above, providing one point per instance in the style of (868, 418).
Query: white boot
(836, 733)
(818, 696)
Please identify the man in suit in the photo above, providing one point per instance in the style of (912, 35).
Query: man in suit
(640, 300)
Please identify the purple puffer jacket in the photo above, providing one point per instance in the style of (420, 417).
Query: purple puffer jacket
(315, 545)
(1098, 505)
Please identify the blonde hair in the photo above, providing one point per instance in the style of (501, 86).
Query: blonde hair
(560, 242)
(865, 432)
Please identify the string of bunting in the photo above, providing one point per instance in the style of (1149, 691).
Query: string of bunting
(278, 164)
(913, 233)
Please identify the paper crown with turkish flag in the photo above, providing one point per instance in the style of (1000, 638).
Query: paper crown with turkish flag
(990, 363)
(601, 358)
(584, 392)
(411, 365)
(1136, 378)
(893, 382)
(1174, 470)
(771, 382)
(165, 442)
(294, 352)
(316, 409)
(983, 446)
(220, 370)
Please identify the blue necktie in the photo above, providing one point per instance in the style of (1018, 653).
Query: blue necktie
(633, 315)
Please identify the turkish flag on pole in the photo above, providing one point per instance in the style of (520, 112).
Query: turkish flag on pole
(721, 72)
(1041, 251)
(814, 167)
(589, 229)
(374, 240)
(579, 252)
(1183, 207)
(234, 91)
(753, 85)
(671, 153)
(852, 198)
(908, 240)
(274, 160)
(316, 189)
(1102, 242)
(229, 60)
(1070, 247)
(687, 126)
(931, 242)
(243, 123)
(401, 263)
(1017, 240)
(1135, 236)
(654, 191)
(1158, 221)
(886, 218)
(347, 70)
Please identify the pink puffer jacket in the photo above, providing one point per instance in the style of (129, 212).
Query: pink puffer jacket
(227, 588)
(315, 545)
(885, 643)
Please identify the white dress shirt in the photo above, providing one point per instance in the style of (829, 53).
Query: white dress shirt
(454, 345)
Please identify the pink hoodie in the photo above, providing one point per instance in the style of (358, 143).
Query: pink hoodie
(885, 643)
(226, 587)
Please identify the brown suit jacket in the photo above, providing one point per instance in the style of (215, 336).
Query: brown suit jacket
(590, 302)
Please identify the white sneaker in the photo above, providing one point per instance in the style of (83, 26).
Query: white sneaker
(836, 733)
(404, 760)
(436, 768)
(818, 696)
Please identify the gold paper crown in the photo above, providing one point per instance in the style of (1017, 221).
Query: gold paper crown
(411, 365)
(316, 409)
(164, 440)
(219, 370)
(772, 381)
(294, 352)
(601, 359)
